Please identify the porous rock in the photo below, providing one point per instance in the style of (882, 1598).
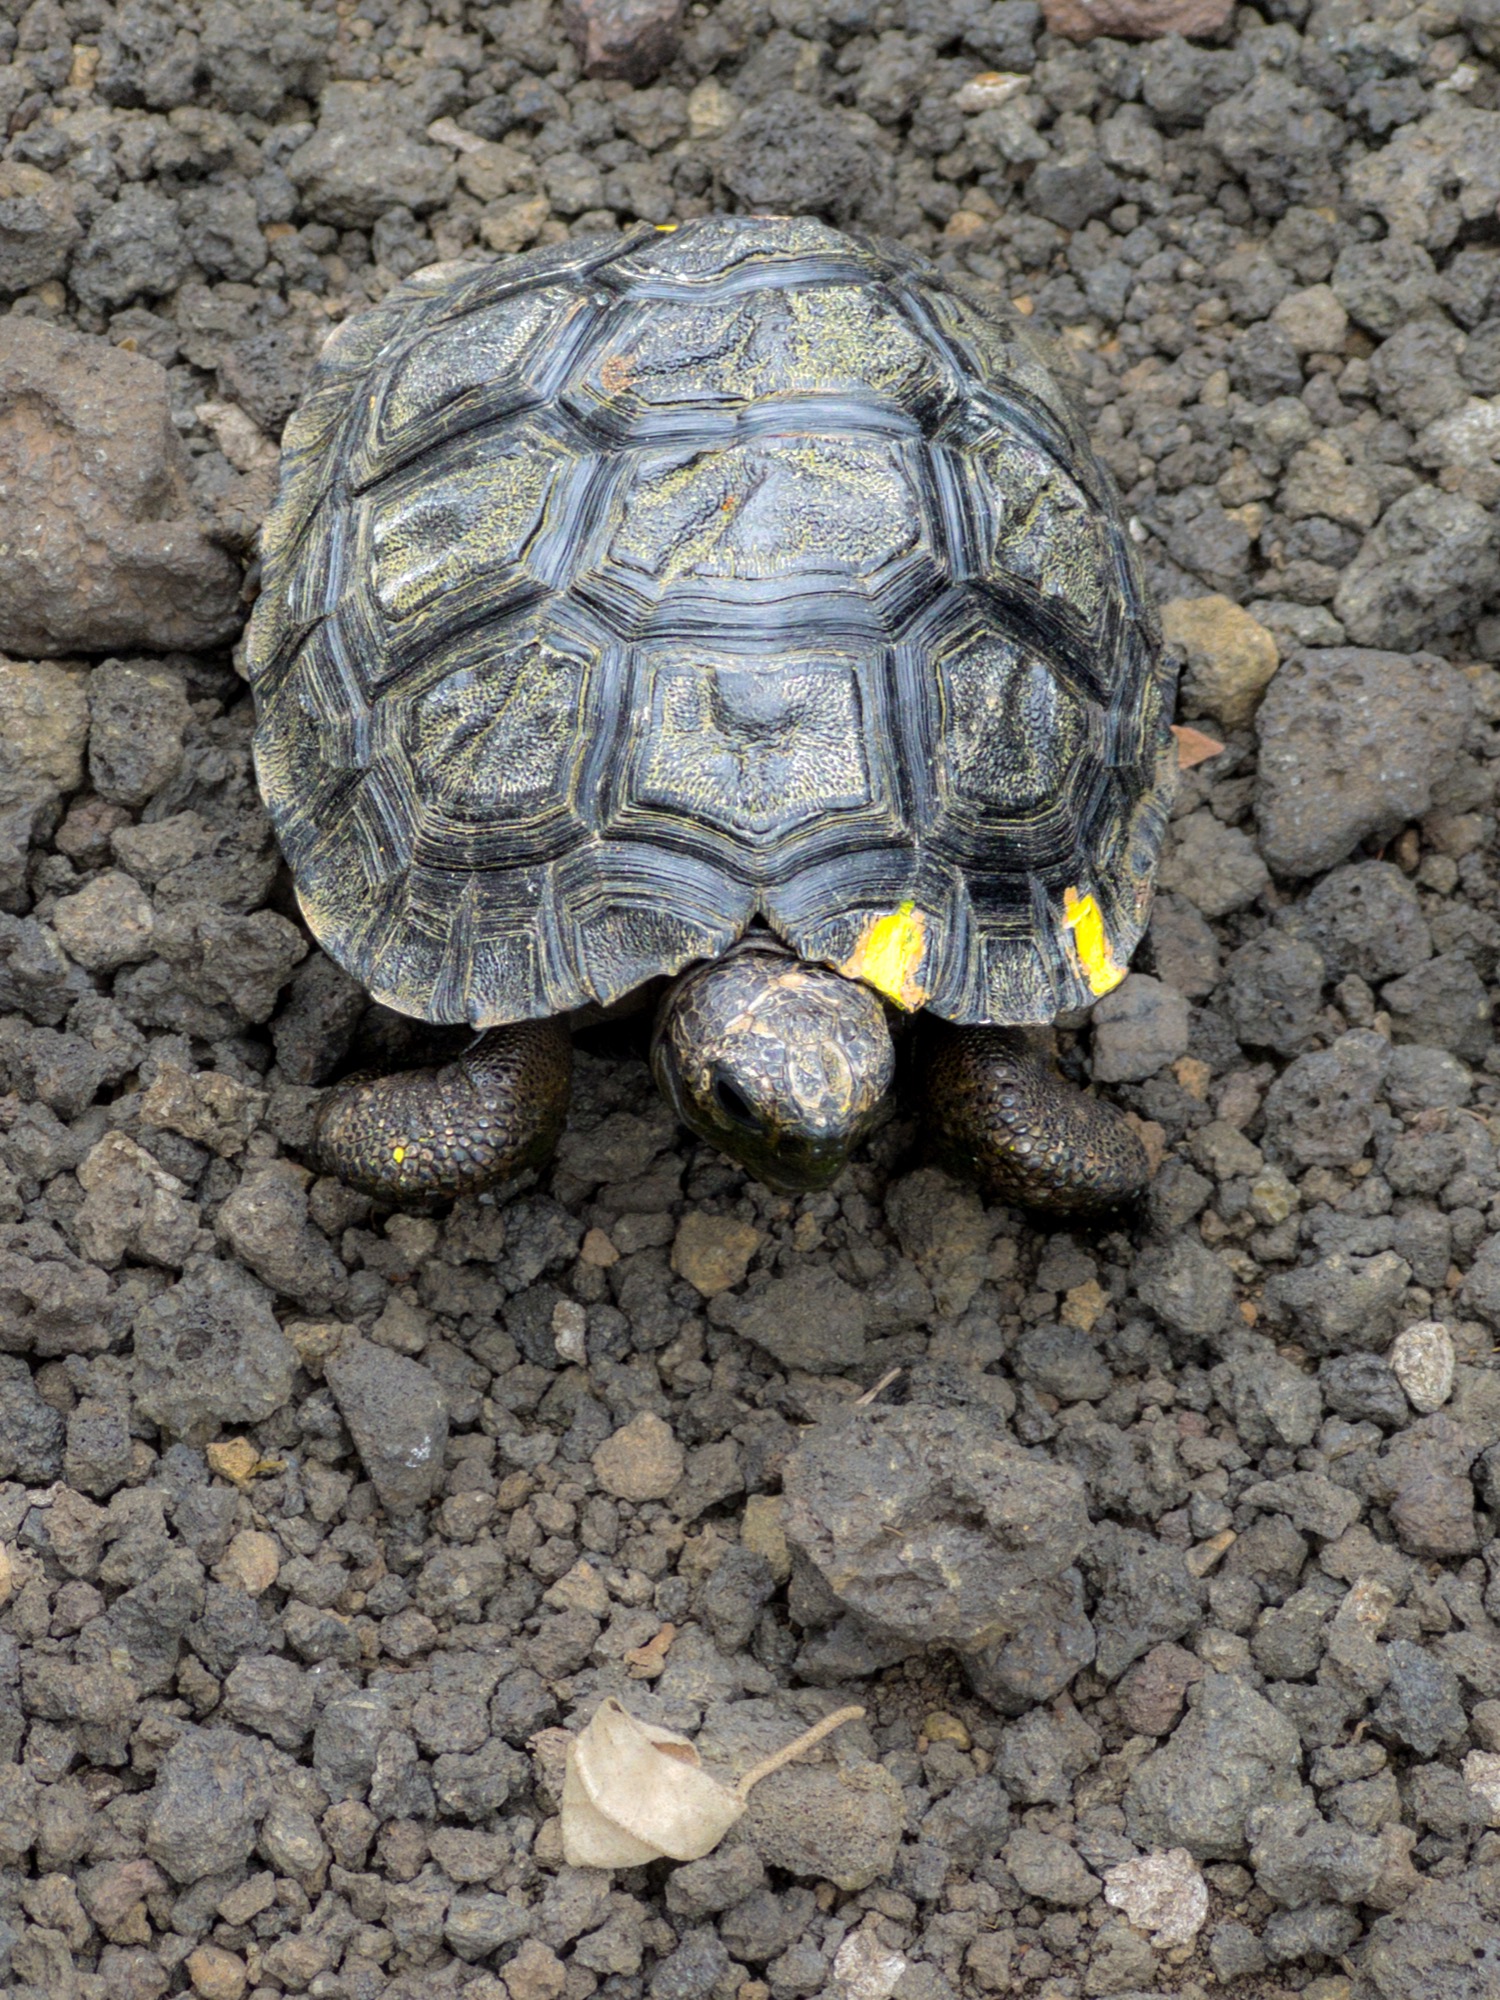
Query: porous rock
(1351, 744)
(208, 1352)
(930, 1524)
(1233, 1751)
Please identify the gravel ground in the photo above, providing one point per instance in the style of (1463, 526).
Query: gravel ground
(315, 1520)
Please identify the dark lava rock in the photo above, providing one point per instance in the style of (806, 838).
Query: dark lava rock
(629, 39)
(398, 1417)
(1443, 1944)
(932, 1525)
(208, 1352)
(1233, 1751)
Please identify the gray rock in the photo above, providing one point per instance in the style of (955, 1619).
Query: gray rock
(1415, 373)
(208, 1352)
(1366, 919)
(31, 1431)
(1063, 1361)
(1273, 992)
(212, 1790)
(1352, 744)
(1442, 1944)
(1144, 1595)
(1315, 1931)
(135, 248)
(839, 1824)
(265, 1223)
(1138, 1029)
(1301, 1858)
(1363, 1388)
(1213, 867)
(1183, 947)
(1269, 1397)
(346, 1741)
(398, 1417)
(633, 39)
(931, 1525)
(1053, 1642)
(361, 161)
(1231, 1753)
(1071, 189)
(90, 461)
(1422, 1079)
(1187, 1285)
(273, 1696)
(1320, 1110)
(1443, 1004)
(1050, 1870)
(1340, 1302)
(259, 59)
(809, 1320)
(1383, 285)
(946, 1231)
(1426, 568)
(1420, 1709)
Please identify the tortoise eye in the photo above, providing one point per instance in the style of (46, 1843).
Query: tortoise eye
(733, 1102)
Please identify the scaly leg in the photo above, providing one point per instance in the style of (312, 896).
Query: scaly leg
(495, 1110)
(1006, 1119)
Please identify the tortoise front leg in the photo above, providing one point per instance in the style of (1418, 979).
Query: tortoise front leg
(495, 1110)
(1004, 1117)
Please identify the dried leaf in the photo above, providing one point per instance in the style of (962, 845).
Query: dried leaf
(237, 1459)
(7, 1574)
(1193, 747)
(634, 1792)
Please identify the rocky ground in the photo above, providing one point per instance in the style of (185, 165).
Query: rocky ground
(314, 1520)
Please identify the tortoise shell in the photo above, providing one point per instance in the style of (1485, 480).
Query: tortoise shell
(624, 593)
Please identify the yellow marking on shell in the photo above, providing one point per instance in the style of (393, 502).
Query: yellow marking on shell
(398, 1154)
(1090, 940)
(665, 228)
(888, 954)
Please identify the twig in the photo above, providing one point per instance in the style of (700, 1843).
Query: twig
(796, 1747)
(870, 1394)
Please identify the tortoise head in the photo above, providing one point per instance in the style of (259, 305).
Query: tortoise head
(785, 1066)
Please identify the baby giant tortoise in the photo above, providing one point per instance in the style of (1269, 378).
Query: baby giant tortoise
(738, 605)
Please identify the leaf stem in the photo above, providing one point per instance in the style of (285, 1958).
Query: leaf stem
(795, 1748)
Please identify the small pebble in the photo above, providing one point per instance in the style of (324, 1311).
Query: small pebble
(1422, 1361)
(1161, 1892)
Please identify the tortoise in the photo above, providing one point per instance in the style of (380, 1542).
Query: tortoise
(738, 606)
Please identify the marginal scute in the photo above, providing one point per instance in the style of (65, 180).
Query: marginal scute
(624, 594)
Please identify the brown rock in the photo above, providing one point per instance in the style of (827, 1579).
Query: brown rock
(132, 1205)
(712, 1252)
(642, 1461)
(38, 227)
(216, 1974)
(1136, 20)
(107, 924)
(1230, 657)
(105, 551)
(1152, 1694)
(632, 39)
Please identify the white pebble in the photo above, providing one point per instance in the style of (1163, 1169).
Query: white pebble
(569, 1326)
(1422, 1360)
(1482, 1775)
(864, 1970)
(1161, 1892)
